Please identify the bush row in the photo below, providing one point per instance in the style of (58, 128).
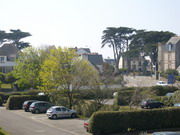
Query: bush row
(126, 96)
(16, 101)
(5, 96)
(86, 109)
(135, 120)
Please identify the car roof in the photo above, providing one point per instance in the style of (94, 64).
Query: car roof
(58, 107)
(40, 102)
(166, 133)
(30, 101)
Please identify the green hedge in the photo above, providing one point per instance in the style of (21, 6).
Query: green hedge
(115, 122)
(5, 96)
(16, 101)
(161, 90)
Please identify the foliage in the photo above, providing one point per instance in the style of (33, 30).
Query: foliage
(178, 78)
(14, 36)
(135, 120)
(87, 108)
(172, 72)
(5, 96)
(2, 132)
(176, 97)
(16, 101)
(63, 71)
(27, 69)
(147, 41)
(118, 39)
(161, 91)
(134, 95)
(1, 101)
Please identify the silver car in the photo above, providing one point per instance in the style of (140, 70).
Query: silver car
(166, 133)
(60, 112)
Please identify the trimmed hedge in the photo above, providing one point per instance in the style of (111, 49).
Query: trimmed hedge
(161, 90)
(16, 101)
(115, 122)
(5, 96)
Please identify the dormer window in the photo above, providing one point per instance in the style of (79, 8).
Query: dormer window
(170, 47)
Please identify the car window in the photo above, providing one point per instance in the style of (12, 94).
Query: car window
(63, 109)
(58, 109)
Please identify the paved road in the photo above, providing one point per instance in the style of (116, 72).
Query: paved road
(19, 122)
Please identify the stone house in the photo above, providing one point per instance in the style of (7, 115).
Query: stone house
(169, 54)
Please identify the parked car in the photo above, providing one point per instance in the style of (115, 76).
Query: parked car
(177, 104)
(59, 112)
(27, 104)
(166, 133)
(161, 83)
(86, 125)
(40, 107)
(151, 104)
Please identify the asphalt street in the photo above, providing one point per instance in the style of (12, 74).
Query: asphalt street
(18, 122)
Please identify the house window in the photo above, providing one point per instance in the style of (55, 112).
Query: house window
(170, 46)
(2, 59)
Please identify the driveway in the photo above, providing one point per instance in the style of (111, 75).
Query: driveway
(18, 122)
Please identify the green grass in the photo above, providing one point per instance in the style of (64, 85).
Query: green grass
(6, 86)
(2, 132)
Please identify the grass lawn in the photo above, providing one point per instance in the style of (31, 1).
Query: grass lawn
(6, 86)
(2, 132)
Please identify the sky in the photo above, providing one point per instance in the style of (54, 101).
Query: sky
(79, 23)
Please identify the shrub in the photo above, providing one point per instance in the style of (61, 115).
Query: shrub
(161, 90)
(178, 78)
(168, 101)
(4, 96)
(176, 97)
(1, 101)
(115, 122)
(87, 108)
(16, 101)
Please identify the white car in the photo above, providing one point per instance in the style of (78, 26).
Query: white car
(161, 83)
(60, 112)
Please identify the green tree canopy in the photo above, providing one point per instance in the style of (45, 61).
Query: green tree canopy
(15, 36)
(118, 39)
(63, 71)
(27, 68)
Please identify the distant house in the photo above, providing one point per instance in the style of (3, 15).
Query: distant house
(81, 51)
(8, 54)
(135, 64)
(95, 59)
(110, 61)
(169, 54)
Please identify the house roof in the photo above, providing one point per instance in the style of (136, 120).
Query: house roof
(174, 40)
(95, 59)
(85, 49)
(8, 49)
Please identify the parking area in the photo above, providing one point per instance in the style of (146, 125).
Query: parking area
(69, 126)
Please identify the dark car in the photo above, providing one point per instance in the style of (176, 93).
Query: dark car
(40, 107)
(151, 104)
(27, 104)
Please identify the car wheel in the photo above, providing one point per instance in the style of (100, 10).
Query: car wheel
(37, 111)
(73, 115)
(54, 116)
(25, 110)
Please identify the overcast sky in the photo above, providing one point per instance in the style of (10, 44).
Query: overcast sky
(81, 22)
